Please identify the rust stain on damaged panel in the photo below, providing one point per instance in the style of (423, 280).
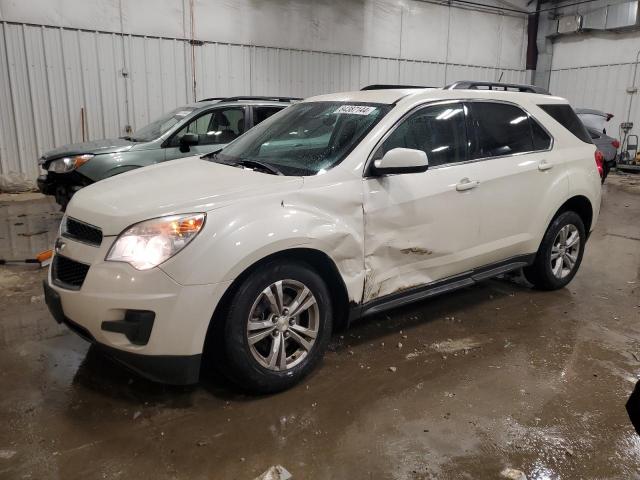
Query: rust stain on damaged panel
(416, 251)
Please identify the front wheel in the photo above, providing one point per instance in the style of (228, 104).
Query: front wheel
(278, 327)
(560, 253)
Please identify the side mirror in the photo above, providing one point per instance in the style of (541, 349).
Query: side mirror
(187, 140)
(401, 160)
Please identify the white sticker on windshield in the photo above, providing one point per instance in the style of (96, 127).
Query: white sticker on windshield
(183, 113)
(355, 109)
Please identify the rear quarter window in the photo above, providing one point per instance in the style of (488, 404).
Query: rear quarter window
(541, 139)
(565, 116)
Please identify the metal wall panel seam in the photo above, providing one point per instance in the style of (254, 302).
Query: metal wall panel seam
(84, 127)
(100, 86)
(32, 106)
(50, 93)
(13, 103)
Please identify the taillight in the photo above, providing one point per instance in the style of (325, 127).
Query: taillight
(615, 144)
(599, 156)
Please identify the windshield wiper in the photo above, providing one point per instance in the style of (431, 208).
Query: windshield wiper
(254, 164)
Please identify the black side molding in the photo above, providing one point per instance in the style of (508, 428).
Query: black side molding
(455, 282)
(391, 87)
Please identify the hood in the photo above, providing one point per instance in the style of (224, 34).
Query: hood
(188, 185)
(106, 145)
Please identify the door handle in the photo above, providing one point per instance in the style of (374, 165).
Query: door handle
(544, 165)
(466, 184)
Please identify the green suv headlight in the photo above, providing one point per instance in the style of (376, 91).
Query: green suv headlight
(66, 164)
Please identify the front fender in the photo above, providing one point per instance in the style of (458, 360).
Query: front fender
(238, 236)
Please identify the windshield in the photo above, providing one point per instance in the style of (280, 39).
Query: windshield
(306, 138)
(160, 126)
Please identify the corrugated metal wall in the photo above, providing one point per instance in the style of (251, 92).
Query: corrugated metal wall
(48, 74)
(594, 71)
(600, 87)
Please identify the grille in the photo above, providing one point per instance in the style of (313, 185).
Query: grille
(67, 273)
(82, 232)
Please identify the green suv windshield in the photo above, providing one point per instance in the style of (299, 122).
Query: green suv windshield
(306, 138)
(160, 126)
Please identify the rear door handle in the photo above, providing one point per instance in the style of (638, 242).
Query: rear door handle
(544, 165)
(466, 184)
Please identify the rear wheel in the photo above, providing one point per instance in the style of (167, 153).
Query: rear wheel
(605, 172)
(277, 328)
(560, 253)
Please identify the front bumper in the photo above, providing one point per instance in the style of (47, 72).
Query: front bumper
(62, 185)
(169, 369)
(168, 347)
(45, 185)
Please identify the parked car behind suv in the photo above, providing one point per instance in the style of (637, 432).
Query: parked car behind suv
(192, 129)
(341, 206)
(595, 121)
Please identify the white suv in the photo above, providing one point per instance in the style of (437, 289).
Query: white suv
(337, 207)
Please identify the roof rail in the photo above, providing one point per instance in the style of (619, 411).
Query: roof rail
(390, 87)
(271, 99)
(506, 87)
(236, 99)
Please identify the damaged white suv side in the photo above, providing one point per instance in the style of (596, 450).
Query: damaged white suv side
(340, 206)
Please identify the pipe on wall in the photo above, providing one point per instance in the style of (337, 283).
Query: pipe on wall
(633, 84)
(532, 37)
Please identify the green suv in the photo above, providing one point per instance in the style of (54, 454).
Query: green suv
(198, 128)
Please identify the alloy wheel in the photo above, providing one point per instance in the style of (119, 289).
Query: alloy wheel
(283, 325)
(565, 251)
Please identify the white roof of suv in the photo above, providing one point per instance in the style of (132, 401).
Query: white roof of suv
(390, 96)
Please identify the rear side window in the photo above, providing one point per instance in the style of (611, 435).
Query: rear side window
(565, 115)
(497, 129)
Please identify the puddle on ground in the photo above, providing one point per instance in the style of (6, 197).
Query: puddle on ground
(27, 228)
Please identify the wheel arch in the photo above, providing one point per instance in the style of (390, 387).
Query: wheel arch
(316, 259)
(580, 205)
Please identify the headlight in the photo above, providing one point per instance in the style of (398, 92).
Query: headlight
(66, 164)
(149, 243)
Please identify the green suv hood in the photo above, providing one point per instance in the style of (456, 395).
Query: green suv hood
(106, 145)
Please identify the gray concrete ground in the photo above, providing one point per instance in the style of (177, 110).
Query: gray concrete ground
(492, 377)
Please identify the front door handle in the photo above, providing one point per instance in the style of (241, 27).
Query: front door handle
(466, 184)
(544, 165)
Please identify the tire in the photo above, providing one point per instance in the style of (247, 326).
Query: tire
(605, 172)
(252, 365)
(542, 273)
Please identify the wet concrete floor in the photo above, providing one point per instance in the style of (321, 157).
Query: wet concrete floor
(492, 377)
